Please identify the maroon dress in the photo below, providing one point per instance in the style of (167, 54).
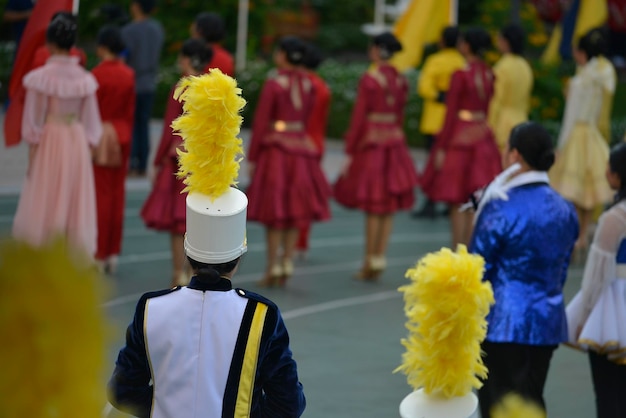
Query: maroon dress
(288, 188)
(472, 156)
(165, 207)
(381, 177)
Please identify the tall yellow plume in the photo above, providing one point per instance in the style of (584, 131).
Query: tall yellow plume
(209, 126)
(53, 334)
(446, 305)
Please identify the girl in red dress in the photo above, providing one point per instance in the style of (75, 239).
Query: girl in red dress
(116, 100)
(465, 156)
(380, 176)
(288, 189)
(165, 208)
(318, 121)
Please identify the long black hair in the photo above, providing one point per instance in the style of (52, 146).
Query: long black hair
(478, 40)
(617, 164)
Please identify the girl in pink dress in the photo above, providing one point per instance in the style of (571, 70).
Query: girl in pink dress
(288, 189)
(165, 208)
(61, 122)
(465, 156)
(380, 176)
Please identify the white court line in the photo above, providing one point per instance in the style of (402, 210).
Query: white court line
(341, 303)
(302, 271)
(315, 243)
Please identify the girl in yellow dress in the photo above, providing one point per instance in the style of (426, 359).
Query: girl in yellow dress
(582, 152)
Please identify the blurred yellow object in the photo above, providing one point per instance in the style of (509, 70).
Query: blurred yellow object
(514, 406)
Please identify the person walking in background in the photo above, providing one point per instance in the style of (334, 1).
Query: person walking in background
(116, 100)
(164, 209)
(525, 232)
(143, 38)
(17, 13)
(61, 123)
(433, 85)
(596, 317)
(465, 156)
(288, 189)
(318, 120)
(379, 177)
(211, 29)
(578, 174)
(513, 86)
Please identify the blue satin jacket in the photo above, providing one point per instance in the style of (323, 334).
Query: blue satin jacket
(527, 243)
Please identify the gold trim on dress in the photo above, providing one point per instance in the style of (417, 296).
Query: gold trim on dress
(471, 116)
(382, 117)
(288, 126)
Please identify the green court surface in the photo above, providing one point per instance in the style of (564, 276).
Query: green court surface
(345, 334)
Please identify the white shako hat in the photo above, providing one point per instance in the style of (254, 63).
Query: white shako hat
(420, 405)
(216, 229)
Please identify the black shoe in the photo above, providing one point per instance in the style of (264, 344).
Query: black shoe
(427, 211)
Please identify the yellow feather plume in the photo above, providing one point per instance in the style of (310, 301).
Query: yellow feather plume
(446, 305)
(209, 126)
(53, 334)
(514, 406)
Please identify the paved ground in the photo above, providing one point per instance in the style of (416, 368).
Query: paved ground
(345, 335)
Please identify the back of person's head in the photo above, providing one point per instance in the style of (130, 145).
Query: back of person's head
(450, 36)
(198, 52)
(110, 37)
(312, 58)
(534, 143)
(62, 30)
(294, 49)
(146, 6)
(387, 44)
(594, 43)
(210, 27)
(212, 272)
(617, 164)
(477, 39)
(515, 36)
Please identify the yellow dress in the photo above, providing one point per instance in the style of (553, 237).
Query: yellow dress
(435, 78)
(604, 121)
(582, 155)
(511, 100)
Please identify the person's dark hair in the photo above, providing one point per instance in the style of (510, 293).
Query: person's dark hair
(450, 36)
(594, 43)
(146, 6)
(110, 37)
(294, 48)
(387, 44)
(534, 143)
(210, 26)
(478, 40)
(62, 30)
(617, 164)
(212, 272)
(515, 36)
(198, 53)
(312, 58)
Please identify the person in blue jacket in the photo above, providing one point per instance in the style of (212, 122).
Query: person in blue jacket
(526, 233)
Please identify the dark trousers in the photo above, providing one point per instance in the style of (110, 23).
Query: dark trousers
(609, 384)
(517, 368)
(141, 132)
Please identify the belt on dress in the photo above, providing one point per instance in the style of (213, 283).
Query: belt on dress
(470, 115)
(67, 119)
(382, 117)
(288, 126)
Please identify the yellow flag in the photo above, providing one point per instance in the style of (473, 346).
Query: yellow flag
(421, 24)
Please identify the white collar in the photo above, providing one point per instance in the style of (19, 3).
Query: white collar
(505, 181)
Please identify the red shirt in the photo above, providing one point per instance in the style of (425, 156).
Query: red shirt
(116, 96)
(170, 141)
(318, 119)
(222, 59)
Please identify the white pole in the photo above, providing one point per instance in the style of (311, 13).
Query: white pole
(242, 35)
(379, 13)
(454, 12)
(75, 7)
